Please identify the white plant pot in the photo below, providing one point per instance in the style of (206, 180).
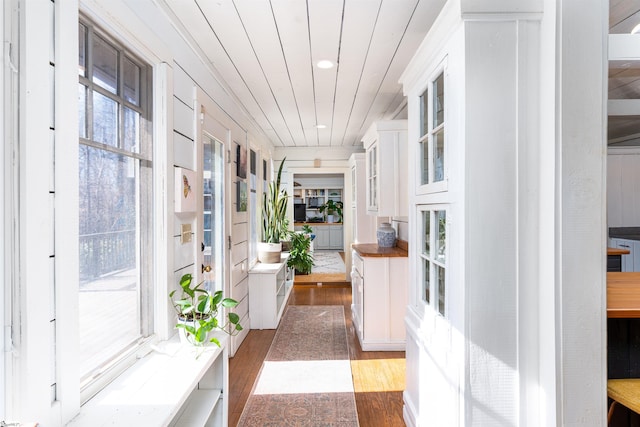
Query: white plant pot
(330, 218)
(185, 337)
(269, 253)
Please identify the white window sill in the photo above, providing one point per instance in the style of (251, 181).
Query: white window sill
(154, 390)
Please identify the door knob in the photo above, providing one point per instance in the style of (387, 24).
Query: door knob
(206, 268)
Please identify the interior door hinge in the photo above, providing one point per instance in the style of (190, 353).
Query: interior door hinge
(229, 242)
(202, 114)
(228, 156)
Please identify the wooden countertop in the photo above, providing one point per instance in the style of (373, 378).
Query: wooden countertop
(623, 295)
(617, 251)
(373, 250)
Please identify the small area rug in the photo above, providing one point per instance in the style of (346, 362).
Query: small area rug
(327, 262)
(305, 379)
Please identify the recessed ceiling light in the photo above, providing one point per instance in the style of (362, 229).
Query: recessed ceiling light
(635, 29)
(321, 126)
(324, 64)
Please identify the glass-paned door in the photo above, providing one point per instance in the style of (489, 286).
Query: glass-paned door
(213, 214)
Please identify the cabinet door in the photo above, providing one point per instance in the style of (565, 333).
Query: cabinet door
(322, 237)
(335, 237)
(627, 260)
(635, 253)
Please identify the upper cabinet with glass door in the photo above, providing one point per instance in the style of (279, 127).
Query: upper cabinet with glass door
(433, 171)
(386, 168)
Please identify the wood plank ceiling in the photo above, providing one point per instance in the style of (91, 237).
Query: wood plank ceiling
(266, 52)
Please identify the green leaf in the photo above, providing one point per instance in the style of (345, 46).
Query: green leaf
(229, 303)
(234, 318)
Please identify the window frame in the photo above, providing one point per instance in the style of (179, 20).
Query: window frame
(145, 196)
(431, 186)
(432, 258)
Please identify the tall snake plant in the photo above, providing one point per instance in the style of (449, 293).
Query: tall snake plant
(274, 210)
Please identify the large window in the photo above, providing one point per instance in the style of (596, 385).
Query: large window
(115, 201)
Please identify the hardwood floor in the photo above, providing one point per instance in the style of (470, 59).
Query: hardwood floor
(378, 376)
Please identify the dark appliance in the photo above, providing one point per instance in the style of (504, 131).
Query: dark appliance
(299, 212)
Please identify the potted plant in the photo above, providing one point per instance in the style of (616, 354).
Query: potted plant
(197, 311)
(274, 224)
(333, 209)
(299, 256)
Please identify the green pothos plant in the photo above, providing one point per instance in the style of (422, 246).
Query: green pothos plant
(197, 311)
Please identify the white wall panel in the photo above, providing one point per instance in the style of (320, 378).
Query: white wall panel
(240, 290)
(238, 252)
(238, 272)
(183, 254)
(183, 118)
(182, 86)
(239, 232)
(183, 151)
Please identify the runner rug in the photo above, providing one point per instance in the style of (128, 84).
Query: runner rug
(305, 379)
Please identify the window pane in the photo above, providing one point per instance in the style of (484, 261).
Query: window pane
(426, 291)
(105, 65)
(82, 51)
(424, 161)
(438, 101)
(131, 130)
(131, 82)
(441, 289)
(213, 165)
(426, 221)
(109, 276)
(105, 120)
(438, 156)
(441, 244)
(82, 111)
(424, 108)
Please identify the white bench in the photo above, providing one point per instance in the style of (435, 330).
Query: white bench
(168, 387)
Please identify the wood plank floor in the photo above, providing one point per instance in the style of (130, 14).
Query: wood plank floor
(379, 377)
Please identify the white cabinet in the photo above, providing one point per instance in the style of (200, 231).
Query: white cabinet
(335, 237)
(623, 192)
(269, 289)
(379, 300)
(322, 236)
(386, 168)
(364, 226)
(631, 261)
(327, 236)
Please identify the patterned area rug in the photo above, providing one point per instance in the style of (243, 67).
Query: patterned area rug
(306, 377)
(327, 262)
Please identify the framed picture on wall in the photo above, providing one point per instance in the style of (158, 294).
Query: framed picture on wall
(241, 199)
(241, 161)
(185, 197)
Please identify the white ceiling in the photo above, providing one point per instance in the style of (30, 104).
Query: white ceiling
(265, 51)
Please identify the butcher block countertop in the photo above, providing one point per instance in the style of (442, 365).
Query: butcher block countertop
(373, 250)
(623, 295)
(617, 251)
